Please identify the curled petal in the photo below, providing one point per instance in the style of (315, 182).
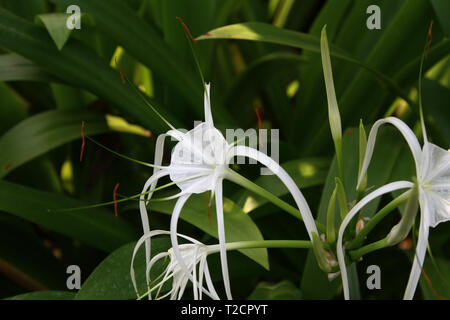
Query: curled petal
(175, 246)
(407, 133)
(143, 207)
(305, 211)
(362, 203)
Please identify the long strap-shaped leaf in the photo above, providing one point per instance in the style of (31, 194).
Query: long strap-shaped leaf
(77, 65)
(258, 31)
(95, 227)
(116, 19)
(41, 133)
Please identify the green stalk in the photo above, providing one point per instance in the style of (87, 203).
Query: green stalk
(380, 244)
(294, 244)
(359, 239)
(250, 185)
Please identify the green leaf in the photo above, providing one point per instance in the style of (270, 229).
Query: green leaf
(305, 172)
(79, 66)
(111, 279)
(284, 290)
(238, 225)
(96, 227)
(116, 19)
(44, 295)
(55, 24)
(37, 135)
(16, 68)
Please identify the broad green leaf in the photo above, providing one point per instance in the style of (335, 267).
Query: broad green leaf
(79, 66)
(305, 172)
(37, 135)
(238, 225)
(44, 295)
(111, 279)
(95, 227)
(284, 290)
(267, 33)
(16, 68)
(27, 9)
(116, 19)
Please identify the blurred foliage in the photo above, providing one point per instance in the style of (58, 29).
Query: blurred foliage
(52, 80)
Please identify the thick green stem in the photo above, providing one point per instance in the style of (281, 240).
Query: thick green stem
(250, 185)
(380, 244)
(359, 239)
(295, 244)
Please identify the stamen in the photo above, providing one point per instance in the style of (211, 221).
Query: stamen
(120, 70)
(187, 29)
(258, 116)
(208, 208)
(83, 142)
(430, 29)
(115, 198)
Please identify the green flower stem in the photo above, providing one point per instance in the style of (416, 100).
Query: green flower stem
(380, 244)
(250, 185)
(294, 244)
(359, 239)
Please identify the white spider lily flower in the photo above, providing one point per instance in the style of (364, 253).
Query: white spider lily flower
(194, 255)
(433, 184)
(199, 163)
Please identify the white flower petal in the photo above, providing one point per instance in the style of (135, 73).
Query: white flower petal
(407, 133)
(434, 178)
(207, 103)
(203, 149)
(173, 235)
(419, 255)
(302, 205)
(363, 202)
(222, 243)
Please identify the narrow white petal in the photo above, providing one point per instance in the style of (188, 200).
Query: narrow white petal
(173, 237)
(364, 201)
(145, 237)
(222, 243)
(302, 205)
(407, 133)
(419, 255)
(207, 103)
